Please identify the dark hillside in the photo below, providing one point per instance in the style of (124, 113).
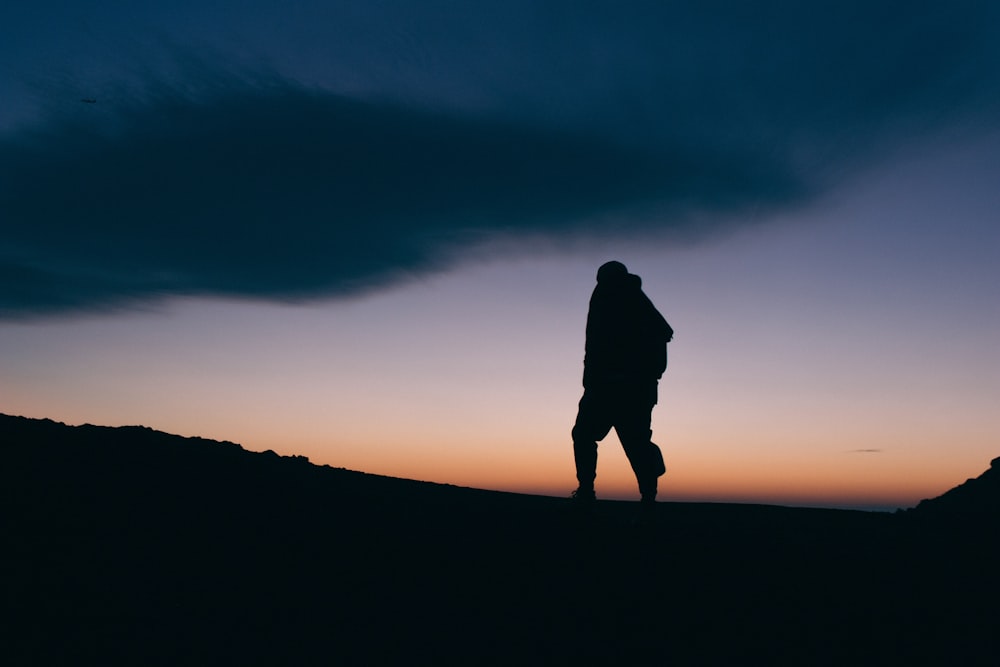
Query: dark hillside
(133, 547)
(977, 498)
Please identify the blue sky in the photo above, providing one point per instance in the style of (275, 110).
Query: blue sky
(419, 194)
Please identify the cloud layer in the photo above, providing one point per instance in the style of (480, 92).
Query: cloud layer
(279, 192)
(258, 187)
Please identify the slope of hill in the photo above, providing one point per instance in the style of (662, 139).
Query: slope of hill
(977, 498)
(130, 546)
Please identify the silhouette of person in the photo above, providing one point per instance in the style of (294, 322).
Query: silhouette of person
(625, 357)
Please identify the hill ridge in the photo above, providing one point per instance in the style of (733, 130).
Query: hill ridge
(977, 495)
(195, 551)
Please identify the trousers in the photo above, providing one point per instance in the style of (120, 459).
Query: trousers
(627, 407)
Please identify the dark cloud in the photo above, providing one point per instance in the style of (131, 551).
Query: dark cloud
(546, 119)
(284, 193)
(864, 451)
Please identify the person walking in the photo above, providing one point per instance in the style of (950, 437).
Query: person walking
(625, 357)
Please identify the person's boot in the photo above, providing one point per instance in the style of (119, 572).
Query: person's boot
(583, 500)
(647, 508)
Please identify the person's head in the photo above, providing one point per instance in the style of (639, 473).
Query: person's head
(611, 273)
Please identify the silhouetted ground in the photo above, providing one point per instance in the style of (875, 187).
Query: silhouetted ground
(133, 547)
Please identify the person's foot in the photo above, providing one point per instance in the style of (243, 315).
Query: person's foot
(583, 496)
(647, 510)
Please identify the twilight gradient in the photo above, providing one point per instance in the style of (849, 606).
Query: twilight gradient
(367, 232)
(844, 356)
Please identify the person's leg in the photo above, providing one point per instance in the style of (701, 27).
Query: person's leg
(640, 453)
(592, 424)
(633, 427)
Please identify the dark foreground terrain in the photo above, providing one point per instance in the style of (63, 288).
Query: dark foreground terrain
(132, 547)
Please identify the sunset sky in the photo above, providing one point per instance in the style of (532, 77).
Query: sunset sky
(367, 232)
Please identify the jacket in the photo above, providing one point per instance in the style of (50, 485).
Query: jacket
(626, 336)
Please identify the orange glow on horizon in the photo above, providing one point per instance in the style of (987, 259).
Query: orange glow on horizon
(849, 480)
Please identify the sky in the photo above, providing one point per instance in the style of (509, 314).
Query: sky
(367, 233)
